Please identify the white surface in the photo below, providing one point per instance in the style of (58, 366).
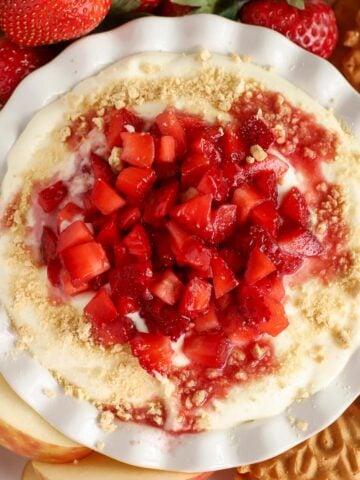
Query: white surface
(247, 443)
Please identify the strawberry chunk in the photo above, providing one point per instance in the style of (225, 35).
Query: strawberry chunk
(135, 182)
(257, 132)
(105, 198)
(153, 351)
(259, 266)
(245, 198)
(279, 167)
(237, 328)
(51, 197)
(204, 143)
(265, 181)
(194, 215)
(160, 202)
(224, 279)
(68, 214)
(193, 168)
(131, 278)
(214, 183)
(125, 304)
(128, 217)
(207, 321)
(223, 221)
(109, 233)
(118, 332)
(196, 296)
(278, 320)
(118, 121)
(294, 207)
(235, 148)
(296, 240)
(85, 261)
(53, 271)
(68, 287)
(101, 169)
(166, 149)
(266, 216)
(138, 149)
(169, 125)
(74, 234)
(168, 287)
(101, 309)
(48, 244)
(208, 350)
(138, 243)
(271, 286)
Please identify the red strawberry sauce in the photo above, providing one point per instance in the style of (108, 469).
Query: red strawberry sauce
(191, 232)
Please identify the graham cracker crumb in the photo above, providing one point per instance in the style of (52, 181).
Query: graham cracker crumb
(107, 421)
(199, 397)
(115, 161)
(150, 68)
(250, 159)
(99, 445)
(341, 336)
(99, 123)
(235, 57)
(49, 393)
(302, 425)
(258, 153)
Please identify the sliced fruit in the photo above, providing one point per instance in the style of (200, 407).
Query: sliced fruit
(68, 214)
(196, 296)
(138, 149)
(48, 244)
(101, 309)
(68, 286)
(207, 321)
(193, 168)
(101, 169)
(194, 215)
(54, 268)
(266, 216)
(265, 181)
(224, 279)
(246, 198)
(135, 182)
(74, 234)
(128, 217)
(214, 183)
(259, 266)
(85, 261)
(51, 197)
(168, 287)
(296, 240)
(272, 286)
(208, 350)
(234, 146)
(131, 278)
(153, 351)
(279, 167)
(119, 121)
(138, 243)
(169, 125)
(118, 332)
(223, 221)
(294, 207)
(278, 320)
(256, 132)
(160, 202)
(166, 149)
(109, 233)
(105, 198)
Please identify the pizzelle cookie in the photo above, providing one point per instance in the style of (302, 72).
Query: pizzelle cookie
(333, 454)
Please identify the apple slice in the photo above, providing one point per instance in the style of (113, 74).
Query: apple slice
(29, 473)
(24, 432)
(99, 467)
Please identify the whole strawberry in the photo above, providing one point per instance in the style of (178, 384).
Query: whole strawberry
(173, 9)
(42, 22)
(16, 63)
(309, 23)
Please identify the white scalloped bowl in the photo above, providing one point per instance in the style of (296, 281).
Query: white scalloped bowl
(135, 444)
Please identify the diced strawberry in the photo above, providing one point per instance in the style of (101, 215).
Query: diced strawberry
(224, 279)
(237, 328)
(190, 122)
(160, 202)
(153, 351)
(246, 198)
(278, 320)
(48, 244)
(233, 258)
(54, 268)
(252, 305)
(196, 296)
(194, 215)
(235, 175)
(223, 221)
(122, 256)
(138, 149)
(91, 213)
(125, 304)
(294, 207)
(101, 309)
(169, 124)
(135, 182)
(128, 217)
(265, 181)
(68, 214)
(101, 169)
(179, 237)
(164, 170)
(166, 149)
(272, 286)
(85, 261)
(99, 281)
(168, 287)
(279, 167)
(131, 278)
(51, 197)
(118, 332)
(109, 232)
(163, 256)
(138, 243)
(266, 216)
(258, 266)
(118, 121)
(296, 240)
(207, 321)
(235, 148)
(257, 132)
(193, 168)
(68, 286)
(214, 183)
(74, 234)
(203, 143)
(190, 193)
(208, 350)
(105, 198)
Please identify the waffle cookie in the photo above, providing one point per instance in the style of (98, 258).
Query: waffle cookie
(333, 454)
